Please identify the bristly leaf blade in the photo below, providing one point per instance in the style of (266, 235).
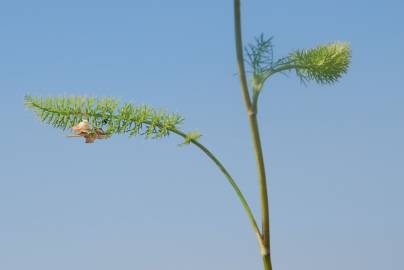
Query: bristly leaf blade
(105, 113)
(324, 64)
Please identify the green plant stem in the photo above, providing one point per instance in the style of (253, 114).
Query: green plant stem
(252, 117)
(230, 179)
(256, 94)
(281, 68)
(240, 58)
(265, 252)
(267, 262)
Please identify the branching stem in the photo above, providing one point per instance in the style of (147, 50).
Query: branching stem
(174, 130)
(252, 117)
(100, 118)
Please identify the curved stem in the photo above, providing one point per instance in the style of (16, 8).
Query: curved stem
(230, 179)
(256, 94)
(281, 68)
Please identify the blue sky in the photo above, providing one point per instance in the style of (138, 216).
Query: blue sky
(335, 154)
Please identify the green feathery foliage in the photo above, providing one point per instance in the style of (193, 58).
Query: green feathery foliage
(260, 54)
(104, 114)
(324, 64)
(260, 57)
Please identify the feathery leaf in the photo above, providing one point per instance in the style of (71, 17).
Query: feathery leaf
(103, 114)
(324, 64)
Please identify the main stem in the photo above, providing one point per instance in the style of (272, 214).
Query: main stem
(252, 117)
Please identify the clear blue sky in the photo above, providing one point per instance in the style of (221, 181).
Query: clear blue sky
(336, 154)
